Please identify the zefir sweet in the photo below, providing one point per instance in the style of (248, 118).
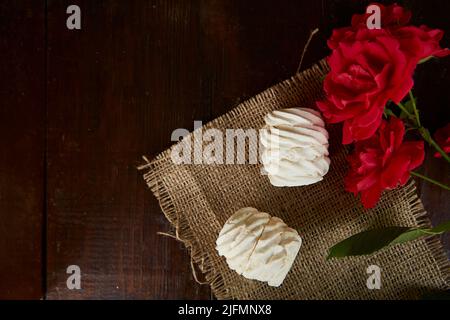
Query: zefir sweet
(295, 145)
(258, 246)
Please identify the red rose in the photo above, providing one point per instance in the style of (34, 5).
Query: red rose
(420, 43)
(416, 42)
(383, 162)
(371, 67)
(442, 137)
(365, 74)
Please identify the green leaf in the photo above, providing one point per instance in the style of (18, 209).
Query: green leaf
(410, 235)
(369, 242)
(442, 228)
(366, 243)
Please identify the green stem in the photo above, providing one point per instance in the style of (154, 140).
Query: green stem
(416, 111)
(402, 107)
(423, 132)
(418, 175)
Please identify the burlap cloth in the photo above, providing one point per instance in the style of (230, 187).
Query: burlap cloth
(198, 199)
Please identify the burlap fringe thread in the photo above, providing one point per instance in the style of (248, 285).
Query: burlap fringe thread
(434, 242)
(185, 235)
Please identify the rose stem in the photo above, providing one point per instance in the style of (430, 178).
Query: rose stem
(416, 111)
(418, 175)
(423, 132)
(402, 107)
(430, 140)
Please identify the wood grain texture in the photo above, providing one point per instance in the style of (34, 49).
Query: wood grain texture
(117, 89)
(22, 139)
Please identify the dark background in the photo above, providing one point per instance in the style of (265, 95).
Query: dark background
(79, 108)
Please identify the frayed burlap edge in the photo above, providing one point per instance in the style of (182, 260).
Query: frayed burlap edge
(434, 243)
(156, 169)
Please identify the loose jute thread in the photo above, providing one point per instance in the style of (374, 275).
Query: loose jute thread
(194, 272)
(311, 36)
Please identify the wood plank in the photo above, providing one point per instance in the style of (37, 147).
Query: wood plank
(22, 127)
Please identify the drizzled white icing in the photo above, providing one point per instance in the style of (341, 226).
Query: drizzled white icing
(258, 246)
(295, 145)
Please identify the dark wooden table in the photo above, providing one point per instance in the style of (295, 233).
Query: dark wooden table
(79, 107)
